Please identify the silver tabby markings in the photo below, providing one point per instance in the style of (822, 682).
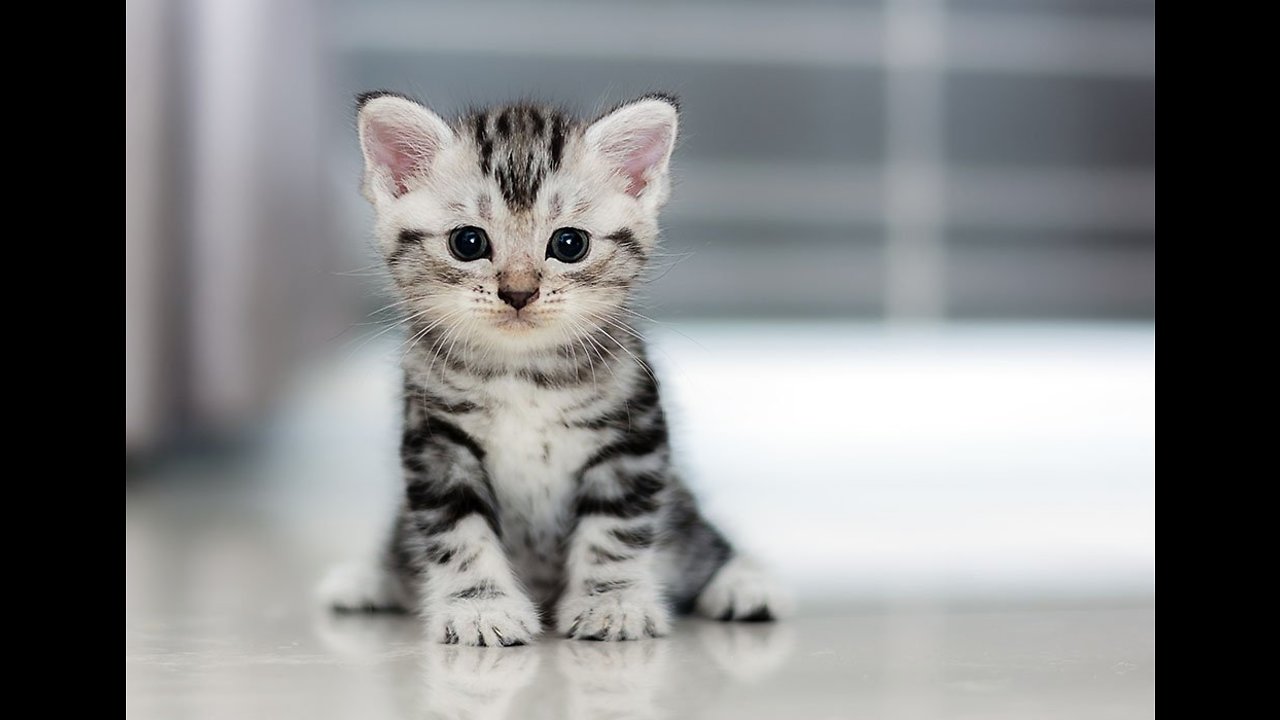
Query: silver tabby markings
(518, 146)
(539, 485)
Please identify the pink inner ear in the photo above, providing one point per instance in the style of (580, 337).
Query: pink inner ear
(402, 156)
(647, 151)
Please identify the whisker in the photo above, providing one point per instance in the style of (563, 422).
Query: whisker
(426, 330)
(666, 325)
(387, 329)
(643, 364)
(429, 328)
(397, 303)
(374, 270)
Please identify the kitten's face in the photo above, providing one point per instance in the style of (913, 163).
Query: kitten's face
(516, 228)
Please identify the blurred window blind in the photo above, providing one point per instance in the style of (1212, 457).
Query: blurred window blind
(898, 159)
(908, 159)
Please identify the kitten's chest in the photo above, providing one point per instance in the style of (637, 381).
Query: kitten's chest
(531, 454)
(532, 457)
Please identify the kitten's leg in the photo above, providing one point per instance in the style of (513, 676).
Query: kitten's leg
(469, 594)
(373, 586)
(707, 574)
(612, 591)
(362, 587)
(744, 591)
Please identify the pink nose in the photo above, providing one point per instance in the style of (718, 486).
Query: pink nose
(518, 298)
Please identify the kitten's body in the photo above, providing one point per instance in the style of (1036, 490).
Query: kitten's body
(535, 449)
(537, 438)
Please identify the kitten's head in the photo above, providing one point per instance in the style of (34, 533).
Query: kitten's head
(516, 228)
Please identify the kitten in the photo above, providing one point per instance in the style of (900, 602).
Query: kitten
(538, 477)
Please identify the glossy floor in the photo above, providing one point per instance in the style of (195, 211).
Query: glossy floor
(966, 515)
(904, 662)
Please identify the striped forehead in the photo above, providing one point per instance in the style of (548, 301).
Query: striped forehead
(518, 146)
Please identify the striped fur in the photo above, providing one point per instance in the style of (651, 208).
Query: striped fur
(537, 462)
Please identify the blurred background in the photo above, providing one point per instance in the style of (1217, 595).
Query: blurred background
(906, 319)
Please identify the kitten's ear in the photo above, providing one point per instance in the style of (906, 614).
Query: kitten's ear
(400, 139)
(637, 138)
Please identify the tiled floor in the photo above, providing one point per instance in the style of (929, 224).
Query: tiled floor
(983, 548)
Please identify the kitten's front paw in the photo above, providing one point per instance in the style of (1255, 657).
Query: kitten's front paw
(742, 591)
(615, 615)
(486, 622)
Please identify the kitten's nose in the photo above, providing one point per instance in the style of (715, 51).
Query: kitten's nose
(517, 298)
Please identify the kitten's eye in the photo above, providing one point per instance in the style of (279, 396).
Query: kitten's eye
(469, 243)
(568, 245)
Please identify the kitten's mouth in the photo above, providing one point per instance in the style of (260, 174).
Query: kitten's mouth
(516, 321)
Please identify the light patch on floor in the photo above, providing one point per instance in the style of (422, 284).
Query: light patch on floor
(966, 514)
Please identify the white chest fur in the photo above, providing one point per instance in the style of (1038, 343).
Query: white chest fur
(532, 458)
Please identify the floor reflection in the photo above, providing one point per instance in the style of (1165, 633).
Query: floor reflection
(365, 636)
(476, 682)
(623, 680)
(746, 652)
(640, 680)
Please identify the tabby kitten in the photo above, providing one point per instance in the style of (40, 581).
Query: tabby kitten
(538, 477)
